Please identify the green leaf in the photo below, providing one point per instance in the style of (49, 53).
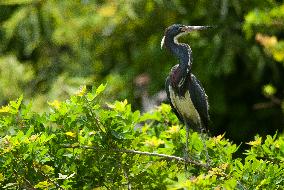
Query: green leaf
(2, 178)
(12, 23)
(16, 2)
(100, 89)
(30, 131)
(101, 144)
(44, 185)
(269, 90)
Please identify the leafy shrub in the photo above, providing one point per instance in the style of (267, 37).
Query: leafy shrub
(87, 143)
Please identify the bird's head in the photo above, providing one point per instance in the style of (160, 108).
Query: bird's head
(176, 30)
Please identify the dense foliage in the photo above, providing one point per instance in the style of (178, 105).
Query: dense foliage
(87, 143)
(49, 48)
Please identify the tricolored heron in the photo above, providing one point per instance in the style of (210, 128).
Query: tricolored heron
(184, 91)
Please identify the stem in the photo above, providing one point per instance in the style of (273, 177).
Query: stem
(165, 156)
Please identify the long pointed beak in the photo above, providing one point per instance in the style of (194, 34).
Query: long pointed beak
(192, 28)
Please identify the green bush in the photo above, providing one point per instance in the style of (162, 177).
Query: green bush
(86, 143)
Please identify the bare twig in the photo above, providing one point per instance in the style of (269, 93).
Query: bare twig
(165, 156)
(127, 178)
(93, 115)
(274, 101)
(123, 168)
(263, 105)
(30, 186)
(52, 181)
(46, 177)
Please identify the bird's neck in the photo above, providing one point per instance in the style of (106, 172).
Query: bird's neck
(181, 51)
(179, 79)
(180, 73)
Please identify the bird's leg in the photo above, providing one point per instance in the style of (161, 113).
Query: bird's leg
(203, 135)
(186, 142)
(186, 157)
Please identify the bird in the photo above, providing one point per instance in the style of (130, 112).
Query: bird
(185, 93)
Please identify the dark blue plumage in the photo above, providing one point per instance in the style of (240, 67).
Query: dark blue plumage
(184, 91)
(199, 99)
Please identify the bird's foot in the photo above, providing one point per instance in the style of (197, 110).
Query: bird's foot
(186, 158)
(207, 157)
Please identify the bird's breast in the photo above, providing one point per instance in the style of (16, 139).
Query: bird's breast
(184, 106)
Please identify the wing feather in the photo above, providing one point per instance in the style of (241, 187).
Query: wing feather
(169, 98)
(199, 100)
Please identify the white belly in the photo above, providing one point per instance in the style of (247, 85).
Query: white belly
(184, 106)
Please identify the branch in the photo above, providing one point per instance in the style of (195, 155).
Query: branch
(30, 186)
(52, 181)
(165, 156)
(263, 105)
(274, 101)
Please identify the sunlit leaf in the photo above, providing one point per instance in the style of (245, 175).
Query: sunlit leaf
(256, 142)
(174, 129)
(5, 109)
(47, 169)
(107, 10)
(278, 55)
(44, 185)
(70, 134)
(266, 41)
(56, 104)
(100, 89)
(82, 91)
(2, 178)
(17, 2)
(154, 142)
(269, 90)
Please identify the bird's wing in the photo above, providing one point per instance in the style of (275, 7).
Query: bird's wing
(169, 98)
(199, 100)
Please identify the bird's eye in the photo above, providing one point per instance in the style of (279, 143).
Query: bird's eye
(181, 29)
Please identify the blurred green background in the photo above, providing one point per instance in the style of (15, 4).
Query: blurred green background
(49, 48)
